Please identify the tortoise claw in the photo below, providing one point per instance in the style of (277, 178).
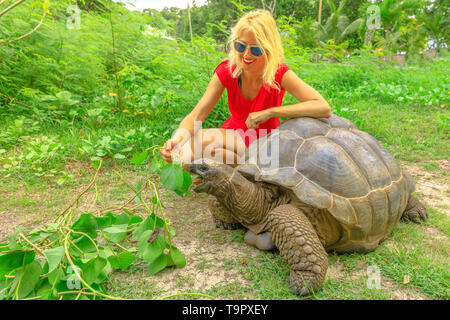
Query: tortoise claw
(302, 283)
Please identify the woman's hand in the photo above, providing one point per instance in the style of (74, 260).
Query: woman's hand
(170, 144)
(254, 119)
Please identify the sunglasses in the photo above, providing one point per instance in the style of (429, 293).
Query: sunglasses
(255, 50)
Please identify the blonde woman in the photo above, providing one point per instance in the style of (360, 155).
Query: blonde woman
(256, 80)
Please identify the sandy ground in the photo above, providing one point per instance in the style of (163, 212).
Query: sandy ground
(433, 187)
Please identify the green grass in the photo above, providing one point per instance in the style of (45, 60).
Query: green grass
(430, 166)
(439, 220)
(417, 254)
(238, 236)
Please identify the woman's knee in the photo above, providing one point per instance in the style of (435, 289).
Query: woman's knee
(225, 156)
(217, 144)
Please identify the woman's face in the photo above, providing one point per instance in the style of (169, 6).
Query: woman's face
(249, 62)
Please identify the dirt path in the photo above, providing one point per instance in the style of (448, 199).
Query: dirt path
(433, 186)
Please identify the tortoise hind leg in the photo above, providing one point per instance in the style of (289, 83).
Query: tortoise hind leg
(221, 216)
(415, 211)
(300, 246)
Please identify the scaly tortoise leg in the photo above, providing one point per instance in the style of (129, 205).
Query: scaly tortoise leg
(415, 211)
(221, 216)
(300, 246)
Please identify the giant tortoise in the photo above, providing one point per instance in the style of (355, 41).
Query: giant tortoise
(335, 188)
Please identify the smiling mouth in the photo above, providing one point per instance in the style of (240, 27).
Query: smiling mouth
(248, 61)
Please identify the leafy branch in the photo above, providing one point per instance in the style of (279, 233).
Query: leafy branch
(30, 32)
(73, 260)
(45, 6)
(15, 4)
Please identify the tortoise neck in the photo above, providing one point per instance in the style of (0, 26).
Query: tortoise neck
(250, 202)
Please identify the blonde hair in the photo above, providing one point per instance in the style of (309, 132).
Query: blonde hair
(264, 27)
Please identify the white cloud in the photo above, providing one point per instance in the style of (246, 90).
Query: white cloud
(159, 4)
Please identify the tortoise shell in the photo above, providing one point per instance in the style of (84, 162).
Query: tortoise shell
(329, 164)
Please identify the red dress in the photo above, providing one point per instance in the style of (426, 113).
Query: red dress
(240, 107)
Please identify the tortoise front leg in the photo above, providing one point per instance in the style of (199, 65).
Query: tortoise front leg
(300, 246)
(221, 216)
(415, 211)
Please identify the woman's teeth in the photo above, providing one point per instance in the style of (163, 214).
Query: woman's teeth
(248, 61)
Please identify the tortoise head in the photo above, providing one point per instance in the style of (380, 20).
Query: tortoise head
(248, 200)
(216, 176)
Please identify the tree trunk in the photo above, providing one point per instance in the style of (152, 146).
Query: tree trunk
(271, 7)
(189, 17)
(320, 12)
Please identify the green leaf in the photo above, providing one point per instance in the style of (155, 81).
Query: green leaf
(159, 222)
(124, 218)
(127, 149)
(13, 244)
(147, 224)
(93, 268)
(143, 242)
(46, 292)
(106, 221)
(154, 249)
(134, 220)
(84, 244)
(116, 233)
(28, 276)
(14, 260)
(119, 156)
(95, 162)
(38, 236)
(54, 257)
(172, 178)
(155, 165)
(139, 158)
(187, 181)
(178, 258)
(122, 261)
(159, 264)
(87, 224)
(55, 275)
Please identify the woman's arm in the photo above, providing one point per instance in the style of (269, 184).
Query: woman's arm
(186, 129)
(312, 104)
